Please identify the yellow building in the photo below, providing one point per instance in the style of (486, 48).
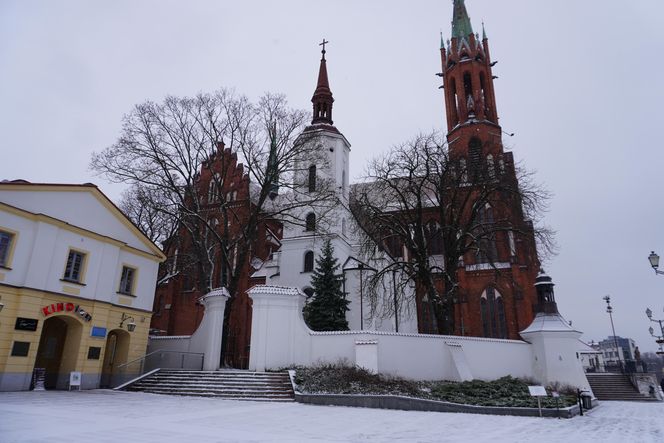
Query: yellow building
(77, 282)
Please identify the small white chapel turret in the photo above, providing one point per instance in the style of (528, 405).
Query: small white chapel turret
(555, 342)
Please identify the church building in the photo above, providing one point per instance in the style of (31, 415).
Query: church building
(496, 294)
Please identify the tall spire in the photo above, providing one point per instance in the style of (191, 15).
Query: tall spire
(461, 27)
(322, 98)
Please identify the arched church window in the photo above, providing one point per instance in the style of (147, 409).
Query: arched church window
(492, 310)
(309, 261)
(474, 157)
(310, 223)
(454, 99)
(490, 166)
(394, 246)
(485, 231)
(312, 178)
(501, 165)
(484, 95)
(214, 188)
(463, 169)
(467, 85)
(434, 239)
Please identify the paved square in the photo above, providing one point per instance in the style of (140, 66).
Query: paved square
(108, 416)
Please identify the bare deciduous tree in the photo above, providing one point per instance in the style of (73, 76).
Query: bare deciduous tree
(428, 209)
(179, 156)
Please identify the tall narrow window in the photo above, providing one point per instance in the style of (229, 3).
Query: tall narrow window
(214, 189)
(474, 157)
(510, 238)
(492, 311)
(310, 224)
(312, 178)
(463, 170)
(434, 239)
(483, 95)
(394, 246)
(127, 280)
(468, 95)
(490, 166)
(308, 261)
(5, 246)
(454, 99)
(486, 246)
(74, 269)
(467, 84)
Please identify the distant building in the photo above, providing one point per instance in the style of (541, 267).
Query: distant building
(624, 351)
(77, 283)
(591, 357)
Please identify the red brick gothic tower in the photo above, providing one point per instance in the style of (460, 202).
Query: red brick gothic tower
(469, 95)
(497, 292)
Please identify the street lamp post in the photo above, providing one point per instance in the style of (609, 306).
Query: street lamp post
(659, 339)
(654, 262)
(609, 309)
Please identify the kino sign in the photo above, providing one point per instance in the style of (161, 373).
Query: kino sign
(65, 307)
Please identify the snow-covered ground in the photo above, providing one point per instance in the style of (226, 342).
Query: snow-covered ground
(108, 416)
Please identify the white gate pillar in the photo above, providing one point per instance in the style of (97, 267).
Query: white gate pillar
(207, 338)
(278, 333)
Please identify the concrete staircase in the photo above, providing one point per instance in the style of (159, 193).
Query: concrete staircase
(612, 386)
(228, 384)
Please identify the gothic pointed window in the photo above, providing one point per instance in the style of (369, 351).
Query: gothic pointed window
(310, 222)
(490, 166)
(485, 233)
(312, 178)
(394, 246)
(454, 102)
(308, 261)
(474, 158)
(434, 239)
(468, 94)
(492, 310)
(214, 188)
(484, 96)
(463, 170)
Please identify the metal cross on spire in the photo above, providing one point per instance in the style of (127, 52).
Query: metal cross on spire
(323, 43)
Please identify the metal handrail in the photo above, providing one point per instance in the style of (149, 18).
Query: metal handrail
(159, 352)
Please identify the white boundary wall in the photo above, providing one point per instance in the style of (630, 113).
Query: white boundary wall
(280, 338)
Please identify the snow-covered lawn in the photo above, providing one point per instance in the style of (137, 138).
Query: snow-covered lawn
(108, 416)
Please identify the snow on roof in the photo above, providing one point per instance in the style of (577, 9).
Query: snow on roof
(274, 290)
(216, 292)
(549, 322)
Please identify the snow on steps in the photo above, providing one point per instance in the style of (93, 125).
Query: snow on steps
(613, 386)
(237, 385)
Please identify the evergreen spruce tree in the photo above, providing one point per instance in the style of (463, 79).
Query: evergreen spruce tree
(326, 311)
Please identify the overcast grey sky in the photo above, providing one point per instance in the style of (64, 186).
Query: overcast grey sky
(580, 86)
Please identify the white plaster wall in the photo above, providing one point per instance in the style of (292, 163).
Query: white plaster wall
(78, 207)
(280, 338)
(40, 257)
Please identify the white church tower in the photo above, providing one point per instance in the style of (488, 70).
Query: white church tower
(323, 171)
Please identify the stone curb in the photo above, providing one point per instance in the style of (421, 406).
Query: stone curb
(417, 404)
